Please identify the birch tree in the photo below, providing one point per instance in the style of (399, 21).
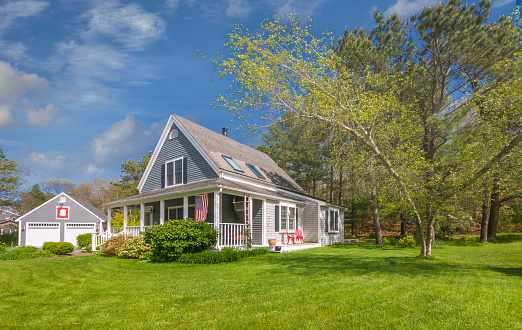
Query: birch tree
(284, 68)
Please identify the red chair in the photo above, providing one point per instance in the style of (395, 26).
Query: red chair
(288, 237)
(299, 235)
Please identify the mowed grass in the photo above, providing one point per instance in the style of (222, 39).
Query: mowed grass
(347, 286)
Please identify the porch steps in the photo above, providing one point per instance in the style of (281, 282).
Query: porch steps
(293, 247)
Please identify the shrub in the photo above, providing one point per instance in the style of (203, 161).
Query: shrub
(175, 237)
(84, 240)
(9, 239)
(134, 248)
(444, 234)
(24, 252)
(225, 255)
(465, 241)
(112, 245)
(407, 241)
(59, 248)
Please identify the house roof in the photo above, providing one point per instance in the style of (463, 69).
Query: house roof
(4, 214)
(86, 205)
(216, 145)
(210, 184)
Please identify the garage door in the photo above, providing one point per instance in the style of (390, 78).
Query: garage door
(38, 233)
(74, 229)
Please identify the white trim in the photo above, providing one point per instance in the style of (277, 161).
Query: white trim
(329, 210)
(288, 206)
(172, 119)
(52, 199)
(173, 161)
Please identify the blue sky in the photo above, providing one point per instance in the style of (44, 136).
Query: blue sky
(86, 85)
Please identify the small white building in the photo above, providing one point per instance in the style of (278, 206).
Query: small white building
(61, 219)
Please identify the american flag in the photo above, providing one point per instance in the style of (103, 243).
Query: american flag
(201, 206)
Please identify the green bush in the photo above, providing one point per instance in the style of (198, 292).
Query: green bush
(134, 248)
(84, 240)
(10, 239)
(23, 252)
(59, 248)
(112, 245)
(465, 241)
(407, 241)
(176, 237)
(225, 255)
(444, 234)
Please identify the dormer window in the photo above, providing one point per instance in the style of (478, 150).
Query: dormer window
(174, 172)
(233, 163)
(256, 171)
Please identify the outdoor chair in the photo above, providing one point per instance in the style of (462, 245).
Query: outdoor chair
(288, 237)
(299, 236)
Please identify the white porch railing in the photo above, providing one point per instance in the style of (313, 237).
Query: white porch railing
(232, 234)
(7, 230)
(100, 239)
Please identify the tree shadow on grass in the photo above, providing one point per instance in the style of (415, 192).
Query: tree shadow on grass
(513, 271)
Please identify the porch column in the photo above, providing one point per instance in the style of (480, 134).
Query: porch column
(109, 216)
(142, 217)
(185, 207)
(217, 215)
(125, 211)
(162, 212)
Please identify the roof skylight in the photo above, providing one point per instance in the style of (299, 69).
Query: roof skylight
(233, 163)
(256, 171)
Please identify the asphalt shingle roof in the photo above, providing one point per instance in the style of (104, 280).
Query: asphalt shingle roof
(216, 145)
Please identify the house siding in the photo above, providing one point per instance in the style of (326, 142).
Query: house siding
(308, 222)
(257, 222)
(270, 222)
(331, 238)
(197, 167)
(47, 213)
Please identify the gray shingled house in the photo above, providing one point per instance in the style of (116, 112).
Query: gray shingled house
(195, 172)
(60, 219)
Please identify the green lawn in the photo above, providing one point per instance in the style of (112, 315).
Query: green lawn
(348, 286)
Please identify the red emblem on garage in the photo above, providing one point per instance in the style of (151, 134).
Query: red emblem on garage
(62, 212)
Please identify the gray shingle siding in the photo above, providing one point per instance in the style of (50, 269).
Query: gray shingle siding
(308, 222)
(197, 167)
(331, 238)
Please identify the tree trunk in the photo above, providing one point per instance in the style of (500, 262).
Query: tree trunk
(485, 216)
(494, 210)
(404, 223)
(375, 213)
(353, 212)
(340, 201)
(331, 183)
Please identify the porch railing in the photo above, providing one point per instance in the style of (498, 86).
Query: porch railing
(100, 239)
(232, 234)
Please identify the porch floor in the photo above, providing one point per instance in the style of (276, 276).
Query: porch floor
(294, 247)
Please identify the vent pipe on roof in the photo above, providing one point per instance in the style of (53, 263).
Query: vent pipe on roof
(224, 131)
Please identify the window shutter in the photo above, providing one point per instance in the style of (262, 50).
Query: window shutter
(184, 170)
(163, 176)
(296, 218)
(326, 220)
(277, 218)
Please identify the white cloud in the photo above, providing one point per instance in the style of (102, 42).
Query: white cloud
(123, 140)
(502, 3)
(6, 117)
(13, 10)
(128, 25)
(408, 7)
(42, 116)
(14, 83)
(237, 8)
(54, 164)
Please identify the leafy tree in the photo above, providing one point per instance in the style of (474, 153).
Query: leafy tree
(30, 199)
(9, 181)
(131, 176)
(97, 192)
(285, 69)
(57, 186)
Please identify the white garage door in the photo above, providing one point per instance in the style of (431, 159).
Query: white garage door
(74, 229)
(38, 233)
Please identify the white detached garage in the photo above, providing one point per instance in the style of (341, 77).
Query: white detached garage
(61, 219)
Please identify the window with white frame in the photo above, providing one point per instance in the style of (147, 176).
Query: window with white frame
(287, 219)
(174, 172)
(333, 217)
(176, 212)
